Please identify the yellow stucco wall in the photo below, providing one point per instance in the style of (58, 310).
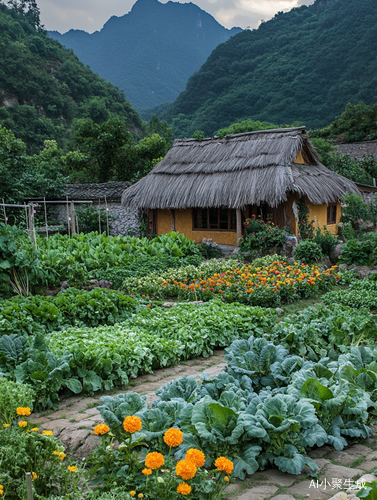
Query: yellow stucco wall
(183, 224)
(318, 213)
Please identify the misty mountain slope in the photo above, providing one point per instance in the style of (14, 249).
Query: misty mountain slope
(150, 52)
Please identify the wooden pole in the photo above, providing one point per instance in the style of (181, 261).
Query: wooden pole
(107, 218)
(44, 201)
(73, 228)
(29, 486)
(99, 215)
(31, 223)
(173, 220)
(68, 224)
(5, 214)
(77, 224)
(26, 218)
(239, 224)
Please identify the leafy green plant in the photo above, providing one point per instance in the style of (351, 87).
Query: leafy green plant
(358, 252)
(308, 251)
(90, 219)
(261, 236)
(12, 396)
(326, 240)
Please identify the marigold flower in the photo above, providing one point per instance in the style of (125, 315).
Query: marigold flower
(184, 489)
(22, 423)
(23, 412)
(72, 468)
(35, 429)
(146, 472)
(59, 454)
(47, 433)
(6, 425)
(140, 495)
(132, 424)
(173, 437)
(1, 489)
(226, 479)
(101, 429)
(224, 465)
(185, 469)
(154, 460)
(132, 493)
(197, 457)
(34, 476)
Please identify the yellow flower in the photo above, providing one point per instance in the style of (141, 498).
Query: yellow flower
(6, 425)
(132, 424)
(101, 429)
(140, 495)
(224, 465)
(226, 479)
(196, 457)
(34, 476)
(154, 460)
(22, 423)
(173, 437)
(24, 412)
(59, 454)
(72, 468)
(1, 489)
(184, 489)
(47, 433)
(146, 472)
(35, 429)
(185, 469)
(132, 493)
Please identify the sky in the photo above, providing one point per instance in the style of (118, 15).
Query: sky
(91, 15)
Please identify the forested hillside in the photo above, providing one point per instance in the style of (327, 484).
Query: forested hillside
(44, 86)
(302, 66)
(152, 51)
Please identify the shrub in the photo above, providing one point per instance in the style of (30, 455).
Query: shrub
(93, 219)
(354, 208)
(308, 251)
(358, 252)
(261, 236)
(12, 396)
(325, 240)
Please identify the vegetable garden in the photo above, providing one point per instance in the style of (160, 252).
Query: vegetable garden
(292, 383)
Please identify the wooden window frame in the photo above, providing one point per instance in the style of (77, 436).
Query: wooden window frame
(218, 222)
(330, 207)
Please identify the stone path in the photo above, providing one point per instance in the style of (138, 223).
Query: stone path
(76, 418)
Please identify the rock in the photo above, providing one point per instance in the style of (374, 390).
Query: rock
(363, 272)
(169, 304)
(283, 497)
(196, 302)
(289, 245)
(326, 262)
(64, 285)
(335, 254)
(105, 284)
(73, 438)
(308, 489)
(85, 450)
(236, 250)
(291, 261)
(52, 292)
(279, 310)
(343, 266)
(258, 492)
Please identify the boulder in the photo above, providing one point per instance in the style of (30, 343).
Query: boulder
(289, 245)
(105, 284)
(326, 262)
(64, 285)
(343, 266)
(335, 254)
(169, 304)
(363, 272)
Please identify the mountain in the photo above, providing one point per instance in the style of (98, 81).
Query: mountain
(44, 86)
(302, 66)
(150, 52)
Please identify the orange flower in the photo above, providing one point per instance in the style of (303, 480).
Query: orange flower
(185, 469)
(132, 424)
(224, 465)
(154, 460)
(184, 489)
(196, 457)
(101, 429)
(173, 437)
(226, 479)
(24, 412)
(146, 472)
(132, 493)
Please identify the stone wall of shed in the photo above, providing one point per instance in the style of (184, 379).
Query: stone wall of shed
(126, 220)
(359, 149)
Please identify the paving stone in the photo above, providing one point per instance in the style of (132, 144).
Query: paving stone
(275, 476)
(368, 465)
(283, 497)
(83, 451)
(320, 452)
(258, 493)
(341, 495)
(307, 490)
(56, 426)
(371, 455)
(72, 439)
(339, 472)
(350, 454)
(92, 411)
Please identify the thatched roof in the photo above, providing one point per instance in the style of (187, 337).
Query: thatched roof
(239, 170)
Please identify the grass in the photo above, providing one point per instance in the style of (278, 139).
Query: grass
(301, 304)
(357, 462)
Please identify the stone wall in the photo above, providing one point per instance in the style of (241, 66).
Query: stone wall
(126, 220)
(359, 149)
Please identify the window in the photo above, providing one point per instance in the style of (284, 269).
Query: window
(331, 213)
(214, 219)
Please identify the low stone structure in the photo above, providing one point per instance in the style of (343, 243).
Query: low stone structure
(357, 150)
(126, 219)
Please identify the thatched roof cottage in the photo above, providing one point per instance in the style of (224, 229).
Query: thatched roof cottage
(204, 189)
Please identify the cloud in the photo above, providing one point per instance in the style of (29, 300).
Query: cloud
(91, 15)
